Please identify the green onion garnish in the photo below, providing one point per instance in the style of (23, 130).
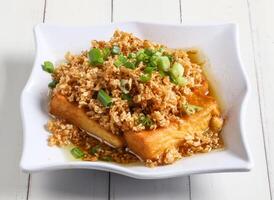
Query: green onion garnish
(177, 70)
(53, 84)
(106, 52)
(141, 56)
(145, 121)
(104, 98)
(153, 61)
(94, 150)
(131, 55)
(125, 96)
(176, 73)
(145, 78)
(77, 152)
(115, 50)
(123, 61)
(129, 65)
(182, 81)
(149, 69)
(149, 52)
(120, 61)
(106, 158)
(48, 67)
(170, 57)
(95, 57)
(161, 50)
(163, 63)
(191, 109)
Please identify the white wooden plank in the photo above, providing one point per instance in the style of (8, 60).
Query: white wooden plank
(69, 184)
(73, 184)
(261, 17)
(122, 187)
(16, 57)
(252, 185)
(77, 13)
(154, 10)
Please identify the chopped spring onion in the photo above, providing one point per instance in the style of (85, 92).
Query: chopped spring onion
(131, 55)
(130, 65)
(170, 57)
(123, 61)
(161, 50)
(115, 50)
(145, 78)
(182, 81)
(94, 150)
(141, 56)
(149, 69)
(53, 84)
(106, 52)
(48, 67)
(95, 57)
(153, 61)
(177, 70)
(176, 73)
(162, 73)
(126, 97)
(77, 152)
(120, 61)
(163, 63)
(191, 109)
(104, 98)
(106, 158)
(149, 52)
(145, 121)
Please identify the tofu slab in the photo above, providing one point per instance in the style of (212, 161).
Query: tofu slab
(151, 144)
(148, 144)
(60, 107)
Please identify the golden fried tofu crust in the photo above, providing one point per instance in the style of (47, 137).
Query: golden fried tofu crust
(152, 144)
(60, 107)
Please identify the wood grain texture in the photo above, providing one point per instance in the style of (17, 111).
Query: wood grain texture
(16, 57)
(141, 10)
(122, 187)
(69, 184)
(262, 30)
(252, 185)
(73, 184)
(78, 12)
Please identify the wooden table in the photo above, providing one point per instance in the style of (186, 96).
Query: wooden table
(255, 19)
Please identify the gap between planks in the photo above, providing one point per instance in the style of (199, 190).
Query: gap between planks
(29, 175)
(259, 92)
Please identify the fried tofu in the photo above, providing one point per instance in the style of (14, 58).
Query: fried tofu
(152, 144)
(147, 144)
(60, 107)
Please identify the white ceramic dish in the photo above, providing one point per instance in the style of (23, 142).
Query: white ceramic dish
(220, 44)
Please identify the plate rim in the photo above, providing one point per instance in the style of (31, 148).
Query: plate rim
(247, 163)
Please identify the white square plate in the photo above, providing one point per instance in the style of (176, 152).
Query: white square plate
(219, 43)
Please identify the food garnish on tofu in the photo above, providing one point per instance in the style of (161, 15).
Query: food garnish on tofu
(135, 96)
